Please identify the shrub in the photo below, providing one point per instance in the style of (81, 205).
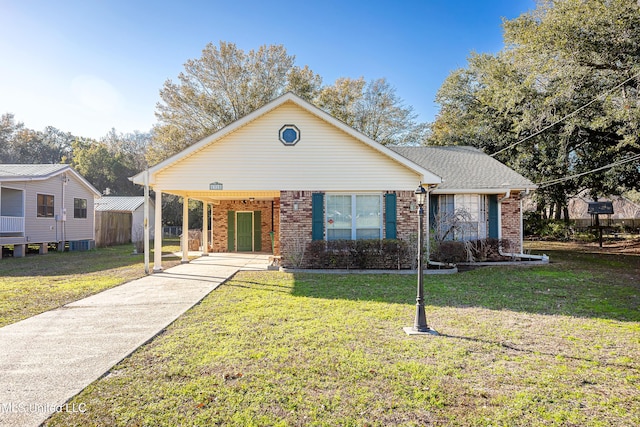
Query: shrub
(361, 254)
(449, 251)
(482, 250)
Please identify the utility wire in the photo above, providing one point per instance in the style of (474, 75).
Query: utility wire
(610, 165)
(567, 116)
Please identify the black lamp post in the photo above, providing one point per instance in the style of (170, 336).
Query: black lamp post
(420, 323)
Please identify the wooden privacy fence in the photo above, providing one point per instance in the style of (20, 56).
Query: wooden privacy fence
(113, 228)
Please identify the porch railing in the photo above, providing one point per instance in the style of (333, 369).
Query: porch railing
(11, 224)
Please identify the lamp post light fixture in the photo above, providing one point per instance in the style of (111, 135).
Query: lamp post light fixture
(420, 326)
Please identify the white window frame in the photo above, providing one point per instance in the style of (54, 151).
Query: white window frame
(476, 206)
(354, 207)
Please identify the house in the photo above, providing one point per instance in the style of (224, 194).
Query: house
(626, 214)
(290, 173)
(120, 219)
(481, 192)
(42, 204)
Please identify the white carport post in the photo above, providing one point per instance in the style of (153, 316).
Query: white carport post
(146, 221)
(185, 229)
(157, 238)
(205, 229)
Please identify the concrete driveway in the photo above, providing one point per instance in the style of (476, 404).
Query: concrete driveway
(49, 358)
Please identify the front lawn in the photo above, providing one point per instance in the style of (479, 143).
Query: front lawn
(38, 283)
(550, 345)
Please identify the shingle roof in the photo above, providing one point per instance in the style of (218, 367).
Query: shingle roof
(119, 203)
(465, 168)
(30, 171)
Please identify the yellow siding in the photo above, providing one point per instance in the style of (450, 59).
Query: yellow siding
(253, 158)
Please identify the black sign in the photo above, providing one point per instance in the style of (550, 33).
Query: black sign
(600, 208)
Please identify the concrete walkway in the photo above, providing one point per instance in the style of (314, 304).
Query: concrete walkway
(49, 358)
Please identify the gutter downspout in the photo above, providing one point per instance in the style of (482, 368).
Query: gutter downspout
(544, 257)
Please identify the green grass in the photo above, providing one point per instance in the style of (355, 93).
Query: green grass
(555, 345)
(38, 283)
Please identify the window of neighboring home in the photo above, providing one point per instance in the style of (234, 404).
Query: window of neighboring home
(45, 206)
(79, 208)
(354, 216)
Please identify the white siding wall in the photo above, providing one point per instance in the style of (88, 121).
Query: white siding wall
(253, 158)
(79, 228)
(40, 230)
(137, 220)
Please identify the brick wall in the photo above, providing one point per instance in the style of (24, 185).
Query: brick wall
(511, 222)
(295, 223)
(220, 221)
(407, 219)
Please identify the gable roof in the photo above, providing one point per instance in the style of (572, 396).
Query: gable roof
(40, 172)
(429, 176)
(465, 169)
(120, 203)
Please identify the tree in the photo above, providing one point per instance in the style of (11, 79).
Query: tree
(222, 86)
(19, 144)
(131, 147)
(561, 99)
(226, 83)
(373, 108)
(304, 83)
(108, 164)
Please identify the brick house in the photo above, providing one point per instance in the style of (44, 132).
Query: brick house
(290, 173)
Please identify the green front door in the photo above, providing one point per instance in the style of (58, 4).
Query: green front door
(244, 227)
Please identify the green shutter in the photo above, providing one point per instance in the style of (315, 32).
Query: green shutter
(231, 229)
(493, 216)
(317, 216)
(257, 231)
(390, 215)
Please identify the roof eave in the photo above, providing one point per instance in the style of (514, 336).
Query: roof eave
(494, 190)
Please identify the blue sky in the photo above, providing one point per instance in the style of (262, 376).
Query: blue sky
(88, 66)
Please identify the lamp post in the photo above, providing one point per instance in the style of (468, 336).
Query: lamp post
(420, 326)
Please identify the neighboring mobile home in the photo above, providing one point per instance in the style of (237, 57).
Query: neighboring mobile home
(42, 204)
(290, 173)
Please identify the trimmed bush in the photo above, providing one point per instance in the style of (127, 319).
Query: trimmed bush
(358, 254)
(482, 250)
(449, 251)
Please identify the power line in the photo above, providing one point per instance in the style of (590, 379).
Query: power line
(567, 116)
(610, 165)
